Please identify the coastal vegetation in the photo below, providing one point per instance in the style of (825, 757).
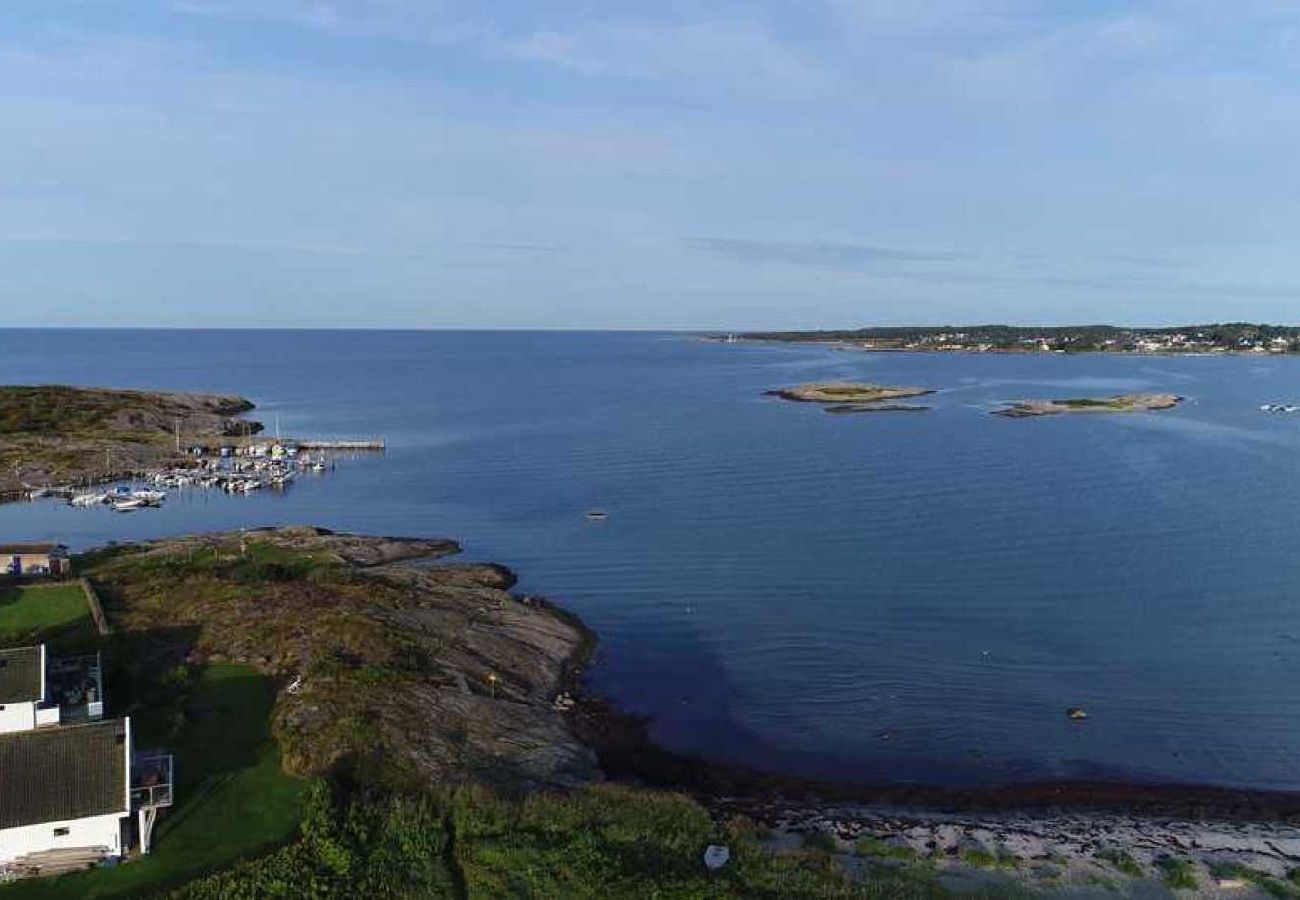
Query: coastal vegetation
(593, 842)
(1122, 860)
(1177, 872)
(52, 434)
(1120, 403)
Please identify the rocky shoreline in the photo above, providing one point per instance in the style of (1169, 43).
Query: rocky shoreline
(1065, 838)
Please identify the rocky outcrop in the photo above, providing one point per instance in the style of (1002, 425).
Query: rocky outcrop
(842, 392)
(58, 434)
(394, 665)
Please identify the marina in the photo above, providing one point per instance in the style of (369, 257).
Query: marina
(242, 469)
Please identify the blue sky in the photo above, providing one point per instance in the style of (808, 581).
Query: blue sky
(567, 163)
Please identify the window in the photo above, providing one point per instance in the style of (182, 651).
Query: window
(62, 832)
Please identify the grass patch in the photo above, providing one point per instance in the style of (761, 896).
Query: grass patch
(595, 842)
(1122, 860)
(874, 847)
(1178, 873)
(43, 612)
(613, 841)
(233, 799)
(983, 859)
(1275, 887)
(1088, 403)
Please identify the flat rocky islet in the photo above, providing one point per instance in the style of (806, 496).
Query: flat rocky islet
(847, 397)
(1120, 403)
(59, 434)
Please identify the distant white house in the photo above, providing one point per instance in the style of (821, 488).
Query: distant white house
(65, 794)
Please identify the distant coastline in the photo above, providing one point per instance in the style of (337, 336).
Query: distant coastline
(1188, 340)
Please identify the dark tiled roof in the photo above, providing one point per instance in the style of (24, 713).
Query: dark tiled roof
(20, 675)
(28, 549)
(68, 772)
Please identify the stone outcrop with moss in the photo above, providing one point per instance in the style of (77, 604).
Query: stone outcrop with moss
(393, 664)
(56, 434)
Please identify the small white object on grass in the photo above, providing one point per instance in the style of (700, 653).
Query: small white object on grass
(715, 857)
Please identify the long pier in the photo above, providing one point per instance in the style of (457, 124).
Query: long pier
(377, 444)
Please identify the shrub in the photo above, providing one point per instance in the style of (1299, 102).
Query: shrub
(1178, 873)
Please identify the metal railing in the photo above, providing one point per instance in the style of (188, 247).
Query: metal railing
(152, 778)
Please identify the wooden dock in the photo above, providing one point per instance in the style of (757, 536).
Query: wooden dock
(377, 444)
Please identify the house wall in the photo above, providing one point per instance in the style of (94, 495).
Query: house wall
(32, 563)
(17, 717)
(95, 831)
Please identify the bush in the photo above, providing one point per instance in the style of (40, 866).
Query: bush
(821, 842)
(1122, 860)
(1178, 873)
(370, 847)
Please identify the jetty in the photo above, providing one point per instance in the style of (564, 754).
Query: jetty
(372, 444)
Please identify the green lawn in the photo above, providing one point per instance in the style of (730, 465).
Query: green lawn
(233, 800)
(44, 612)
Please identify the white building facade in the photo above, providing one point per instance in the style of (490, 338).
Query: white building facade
(64, 791)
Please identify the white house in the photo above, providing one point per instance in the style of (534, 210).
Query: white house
(24, 691)
(64, 795)
(37, 690)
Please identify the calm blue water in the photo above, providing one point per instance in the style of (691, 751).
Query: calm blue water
(906, 596)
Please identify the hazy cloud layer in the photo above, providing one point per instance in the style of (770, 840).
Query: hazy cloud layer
(817, 254)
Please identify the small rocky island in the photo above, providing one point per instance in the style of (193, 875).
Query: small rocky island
(1025, 409)
(853, 397)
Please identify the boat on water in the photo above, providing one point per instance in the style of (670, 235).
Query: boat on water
(87, 500)
(1279, 408)
(130, 504)
(149, 497)
(597, 515)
